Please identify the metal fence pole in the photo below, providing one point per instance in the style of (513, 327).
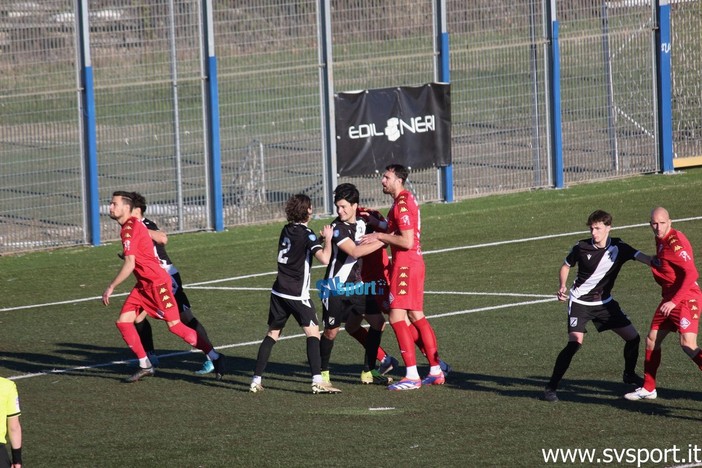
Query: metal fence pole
(326, 96)
(534, 70)
(553, 93)
(213, 159)
(176, 113)
(442, 74)
(611, 115)
(663, 85)
(86, 102)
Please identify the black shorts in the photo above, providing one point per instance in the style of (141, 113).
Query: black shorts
(4, 457)
(178, 292)
(337, 309)
(281, 309)
(607, 316)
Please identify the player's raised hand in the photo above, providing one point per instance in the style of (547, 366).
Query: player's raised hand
(327, 232)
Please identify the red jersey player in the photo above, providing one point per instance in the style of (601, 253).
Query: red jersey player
(407, 281)
(153, 292)
(679, 310)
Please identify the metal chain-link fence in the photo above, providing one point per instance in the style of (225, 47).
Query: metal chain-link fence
(40, 166)
(147, 62)
(498, 107)
(607, 89)
(269, 106)
(686, 24)
(149, 83)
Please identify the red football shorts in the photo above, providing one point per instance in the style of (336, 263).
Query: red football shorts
(684, 318)
(407, 286)
(157, 300)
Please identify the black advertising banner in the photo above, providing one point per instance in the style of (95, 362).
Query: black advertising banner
(404, 125)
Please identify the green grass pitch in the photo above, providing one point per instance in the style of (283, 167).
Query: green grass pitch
(492, 266)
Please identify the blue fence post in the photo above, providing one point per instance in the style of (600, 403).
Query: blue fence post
(213, 158)
(91, 197)
(443, 75)
(664, 86)
(553, 77)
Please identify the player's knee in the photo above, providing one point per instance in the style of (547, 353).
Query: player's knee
(650, 343)
(573, 347)
(635, 340)
(688, 343)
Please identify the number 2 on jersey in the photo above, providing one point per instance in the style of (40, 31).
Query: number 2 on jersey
(284, 249)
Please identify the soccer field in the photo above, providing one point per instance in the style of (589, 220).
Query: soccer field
(492, 266)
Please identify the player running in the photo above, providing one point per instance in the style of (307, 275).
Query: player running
(153, 292)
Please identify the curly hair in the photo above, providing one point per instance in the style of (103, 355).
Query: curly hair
(297, 208)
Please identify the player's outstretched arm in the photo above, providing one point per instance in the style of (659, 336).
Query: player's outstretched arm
(123, 274)
(324, 255)
(643, 258)
(403, 240)
(158, 237)
(374, 219)
(357, 251)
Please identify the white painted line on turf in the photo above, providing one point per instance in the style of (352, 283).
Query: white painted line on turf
(73, 301)
(382, 408)
(257, 342)
(160, 356)
(448, 293)
(550, 236)
(428, 252)
(228, 288)
(235, 278)
(476, 293)
(483, 309)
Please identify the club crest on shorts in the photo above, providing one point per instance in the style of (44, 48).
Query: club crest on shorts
(574, 321)
(684, 323)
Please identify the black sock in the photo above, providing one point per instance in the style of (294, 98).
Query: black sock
(197, 326)
(372, 345)
(631, 354)
(313, 355)
(264, 353)
(147, 339)
(325, 349)
(562, 363)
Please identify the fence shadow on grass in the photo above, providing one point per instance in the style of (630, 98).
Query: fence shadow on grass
(116, 363)
(582, 391)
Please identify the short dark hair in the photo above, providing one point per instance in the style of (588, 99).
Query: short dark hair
(400, 171)
(347, 192)
(599, 216)
(139, 201)
(126, 197)
(297, 208)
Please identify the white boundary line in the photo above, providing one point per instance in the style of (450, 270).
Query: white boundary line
(429, 252)
(257, 342)
(200, 285)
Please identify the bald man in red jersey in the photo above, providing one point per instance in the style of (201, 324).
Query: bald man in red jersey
(679, 310)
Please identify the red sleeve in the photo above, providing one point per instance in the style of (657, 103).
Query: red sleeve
(683, 261)
(127, 234)
(405, 213)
